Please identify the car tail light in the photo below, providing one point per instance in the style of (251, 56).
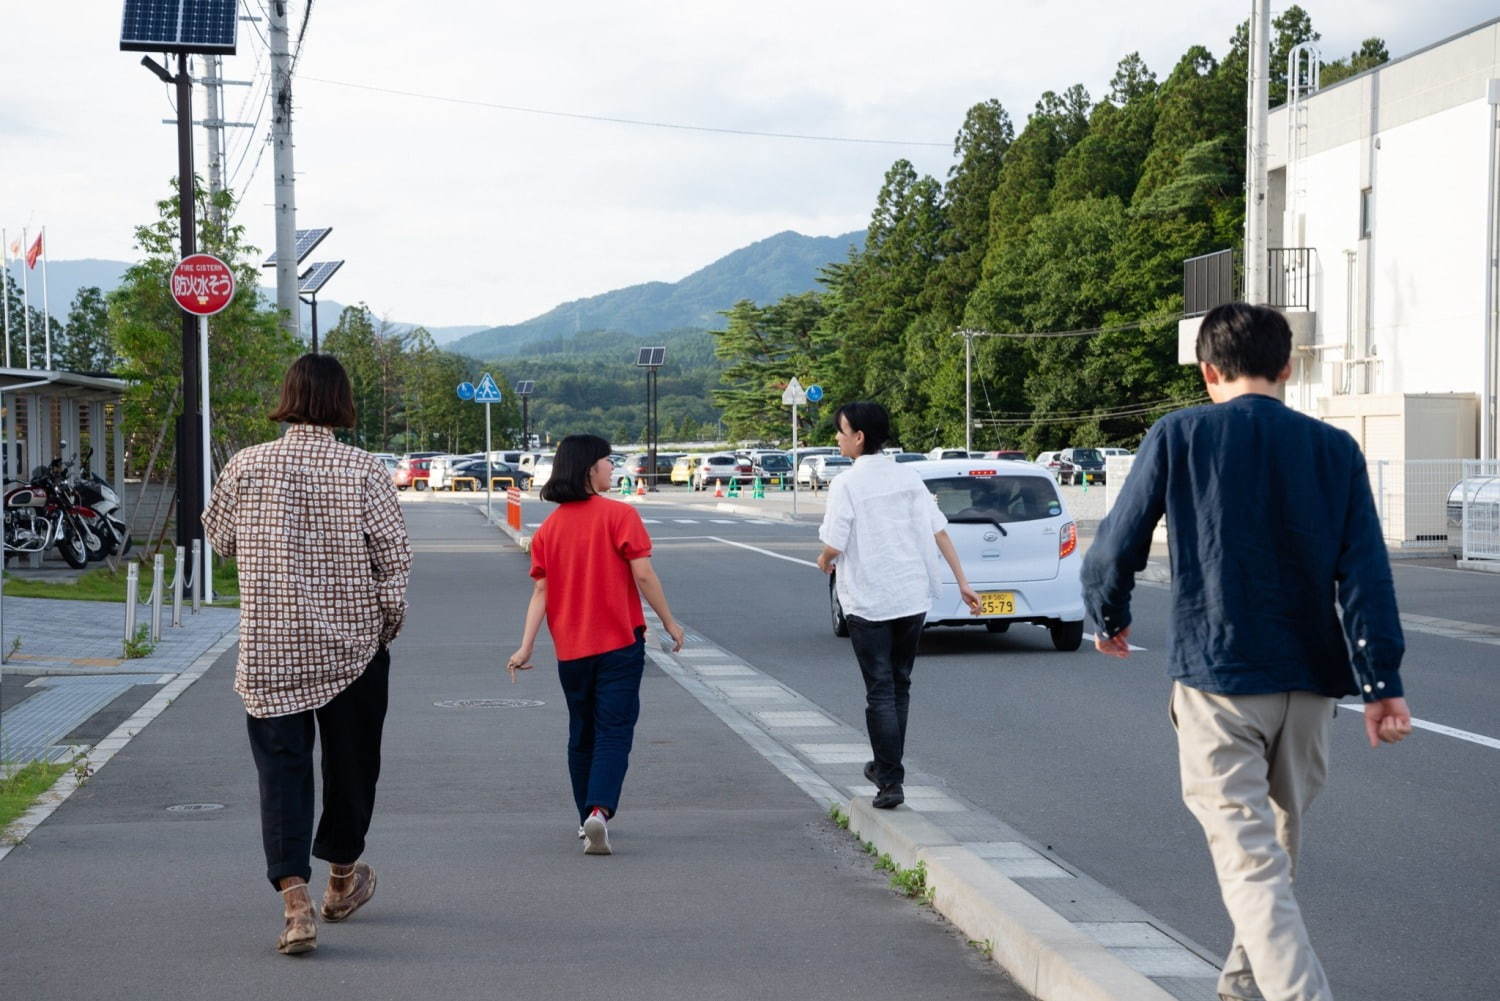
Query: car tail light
(1067, 540)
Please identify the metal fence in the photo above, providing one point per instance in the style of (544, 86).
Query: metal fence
(1291, 277)
(1412, 498)
(1476, 501)
(1208, 281)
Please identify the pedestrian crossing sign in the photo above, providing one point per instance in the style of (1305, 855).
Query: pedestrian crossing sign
(487, 391)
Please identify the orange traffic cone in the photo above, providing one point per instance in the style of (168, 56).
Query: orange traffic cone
(640, 487)
(718, 488)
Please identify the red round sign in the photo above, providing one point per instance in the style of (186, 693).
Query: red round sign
(202, 284)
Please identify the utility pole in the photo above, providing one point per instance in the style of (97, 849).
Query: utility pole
(968, 390)
(213, 131)
(287, 300)
(1257, 115)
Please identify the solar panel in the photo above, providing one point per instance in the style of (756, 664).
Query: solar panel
(179, 26)
(525, 387)
(307, 239)
(651, 357)
(317, 276)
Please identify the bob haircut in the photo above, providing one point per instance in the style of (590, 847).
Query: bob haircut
(316, 390)
(1239, 340)
(870, 418)
(576, 455)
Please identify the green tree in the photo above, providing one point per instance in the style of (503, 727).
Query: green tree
(87, 346)
(1371, 53)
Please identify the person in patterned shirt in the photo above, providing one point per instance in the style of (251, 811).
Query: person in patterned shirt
(323, 561)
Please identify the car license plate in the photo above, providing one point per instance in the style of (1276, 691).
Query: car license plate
(997, 603)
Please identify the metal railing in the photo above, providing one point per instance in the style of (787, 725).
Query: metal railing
(1477, 503)
(1291, 277)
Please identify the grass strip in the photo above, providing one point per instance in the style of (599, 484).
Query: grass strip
(103, 584)
(20, 790)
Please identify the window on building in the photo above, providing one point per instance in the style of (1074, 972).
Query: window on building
(1366, 212)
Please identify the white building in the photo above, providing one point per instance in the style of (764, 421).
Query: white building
(1384, 203)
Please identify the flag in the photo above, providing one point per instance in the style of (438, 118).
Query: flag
(15, 248)
(34, 252)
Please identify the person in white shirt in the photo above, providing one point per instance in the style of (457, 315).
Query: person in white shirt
(883, 531)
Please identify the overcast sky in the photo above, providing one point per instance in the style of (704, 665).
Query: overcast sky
(450, 213)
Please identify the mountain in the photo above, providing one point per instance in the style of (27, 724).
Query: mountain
(784, 264)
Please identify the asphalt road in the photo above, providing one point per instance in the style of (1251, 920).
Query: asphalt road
(1401, 869)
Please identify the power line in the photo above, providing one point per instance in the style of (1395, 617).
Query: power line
(625, 121)
(1103, 415)
(1085, 332)
(1085, 413)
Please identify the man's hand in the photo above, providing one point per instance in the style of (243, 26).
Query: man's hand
(1387, 721)
(1117, 645)
(519, 661)
(970, 597)
(675, 631)
(826, 558)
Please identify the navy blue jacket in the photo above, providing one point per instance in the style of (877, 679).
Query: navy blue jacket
(1270, 521)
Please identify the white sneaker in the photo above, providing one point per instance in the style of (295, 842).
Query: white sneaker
(580, 832)
(596, 835)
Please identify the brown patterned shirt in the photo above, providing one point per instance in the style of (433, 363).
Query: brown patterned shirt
(323, 560)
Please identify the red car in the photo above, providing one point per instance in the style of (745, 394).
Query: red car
(1006, 453)
(411, 473)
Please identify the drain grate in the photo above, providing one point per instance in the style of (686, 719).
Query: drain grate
(488, 704)
(194, 807)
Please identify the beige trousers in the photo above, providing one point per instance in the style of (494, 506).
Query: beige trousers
(1251, 764)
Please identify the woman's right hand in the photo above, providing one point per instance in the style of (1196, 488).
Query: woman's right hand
(675, 631)
(518, 661)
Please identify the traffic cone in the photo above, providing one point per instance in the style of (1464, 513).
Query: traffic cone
(758, 492)
(718, 488)
(640, 487)
(734, 489)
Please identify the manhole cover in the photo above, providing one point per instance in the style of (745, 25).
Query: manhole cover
(488, 704)
(194, 807)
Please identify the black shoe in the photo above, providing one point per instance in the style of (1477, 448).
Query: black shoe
(889, 798)
(870, 773)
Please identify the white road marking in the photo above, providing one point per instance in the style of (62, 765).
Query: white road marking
(650, 521)
(764, 552)
(723, 521)
(1447, 731)
(686, 521)
(1090, 638)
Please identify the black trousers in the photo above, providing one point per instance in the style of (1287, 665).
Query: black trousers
(349, 727)
(886, 651)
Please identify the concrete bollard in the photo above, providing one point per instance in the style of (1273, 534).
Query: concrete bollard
(197, 575)
(156, 594)
(132, 596)
(177, 588)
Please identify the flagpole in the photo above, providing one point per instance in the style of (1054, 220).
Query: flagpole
(5, 292)
(46, 311)
(26, 295)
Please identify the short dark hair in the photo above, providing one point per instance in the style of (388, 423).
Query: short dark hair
(576, 455)
(870, 418)
(1239, 339)
(316, 390)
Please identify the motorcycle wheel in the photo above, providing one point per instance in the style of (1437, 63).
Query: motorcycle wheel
(71, 548)
(98, 540)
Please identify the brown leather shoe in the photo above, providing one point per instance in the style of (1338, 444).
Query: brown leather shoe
(301, 932)
(348, 892)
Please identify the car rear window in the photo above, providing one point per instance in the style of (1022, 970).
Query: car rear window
(1087, 455)
(721, 460)
(837, 460)
(995, 498)
(775, 462)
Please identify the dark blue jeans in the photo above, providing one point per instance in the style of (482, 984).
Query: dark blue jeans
(604, 702)
(886, 651)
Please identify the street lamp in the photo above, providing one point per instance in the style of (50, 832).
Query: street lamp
(524, 389)
(651, 359)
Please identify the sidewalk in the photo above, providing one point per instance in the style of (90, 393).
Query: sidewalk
(727, 881)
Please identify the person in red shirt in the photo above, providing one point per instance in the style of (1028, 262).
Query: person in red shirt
(591, 561)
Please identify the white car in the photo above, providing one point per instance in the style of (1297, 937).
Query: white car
(539, 465)
(817, 470)
(1017, 543)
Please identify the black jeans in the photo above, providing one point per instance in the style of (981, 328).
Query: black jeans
(886, 651)
(604, 703)
(349, 727)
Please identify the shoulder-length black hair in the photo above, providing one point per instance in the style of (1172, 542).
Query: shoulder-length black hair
(576, 455)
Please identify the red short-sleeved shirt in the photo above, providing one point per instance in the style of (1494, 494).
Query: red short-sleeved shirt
(584, 549)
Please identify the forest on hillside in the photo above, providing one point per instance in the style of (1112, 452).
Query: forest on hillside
(1063, 244)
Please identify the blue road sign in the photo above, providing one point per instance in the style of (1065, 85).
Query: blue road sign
(487, 391)
(814, 394)
(465, 390)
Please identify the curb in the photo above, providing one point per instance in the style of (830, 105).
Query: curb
(520, 538)
(1046, 955)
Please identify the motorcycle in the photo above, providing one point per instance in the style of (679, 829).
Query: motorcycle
(96, 495)
(46, 512)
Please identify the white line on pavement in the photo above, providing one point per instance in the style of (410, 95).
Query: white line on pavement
(1447, 731)
(686, 521)
(1090, 638)
(764, 552)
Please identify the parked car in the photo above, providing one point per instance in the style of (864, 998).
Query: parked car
(1483, 495)
(474, 470)
(772, 466)
(1005, 453)
(637, 464)
(411, 473)
(909, 457)
(817, 471)
(800, 455)
(1112, 451)
(721, 467)
(948, 453)
(440, 469)
(1087, 463)
(682, 469)
(1061, 469)
(1018, 546)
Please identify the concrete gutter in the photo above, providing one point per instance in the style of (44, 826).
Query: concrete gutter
(1045, 954)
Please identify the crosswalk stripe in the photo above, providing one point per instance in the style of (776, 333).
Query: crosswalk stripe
(650, 521)
(686, 521)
